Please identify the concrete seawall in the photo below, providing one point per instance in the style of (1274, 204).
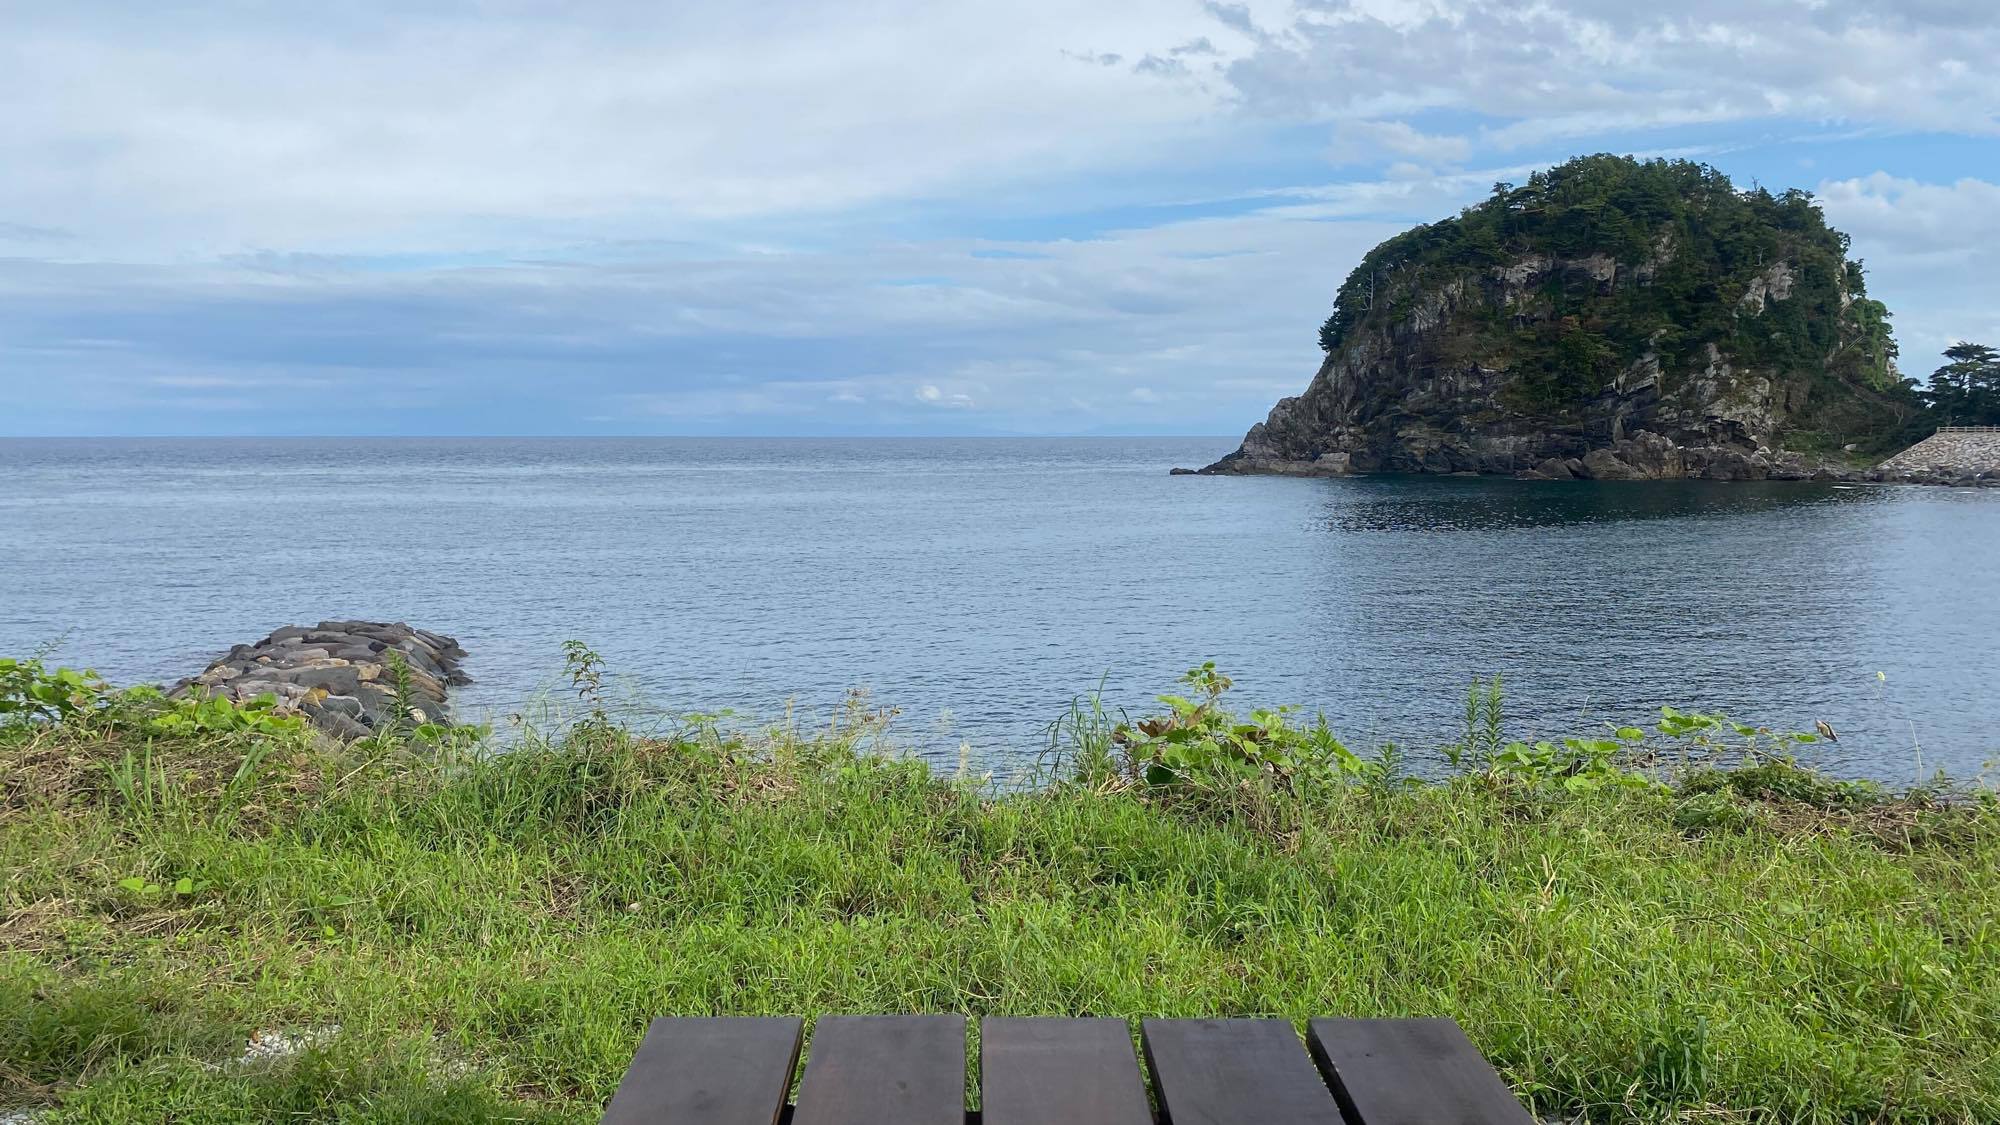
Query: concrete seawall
(1965, 451)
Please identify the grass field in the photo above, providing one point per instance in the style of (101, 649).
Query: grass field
(212, 925)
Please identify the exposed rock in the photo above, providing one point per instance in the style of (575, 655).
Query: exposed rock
(1732, 464)
(1335, 464)
(348, 677)
(338, 725)
(1774, 283)
(333, 679)
(342, 705)
(1602, 464)
(1651, 455)
(1491, 343)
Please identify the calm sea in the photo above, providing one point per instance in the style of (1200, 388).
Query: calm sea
(979, 585)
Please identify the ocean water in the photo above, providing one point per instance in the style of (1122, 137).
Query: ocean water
(978, 585)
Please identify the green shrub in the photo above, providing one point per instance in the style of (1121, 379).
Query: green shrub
(1199, 740)
(29, 692)
(32, 694)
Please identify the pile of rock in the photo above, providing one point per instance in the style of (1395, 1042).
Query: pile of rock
(349, 677)
(1964, 456)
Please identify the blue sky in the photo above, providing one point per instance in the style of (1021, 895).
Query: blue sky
(874, 217)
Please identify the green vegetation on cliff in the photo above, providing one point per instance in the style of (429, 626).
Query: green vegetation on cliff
(219, 919)
(1700, 246)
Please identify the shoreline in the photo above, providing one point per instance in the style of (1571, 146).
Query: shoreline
(1316, 469)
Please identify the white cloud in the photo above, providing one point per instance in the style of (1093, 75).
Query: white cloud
(665, 216)
(930, 395)
(378, 127)
(1959, 220)
(1366, 142)
(1002, 343)
(1569, 68)
(209, 382)
(1928, 248)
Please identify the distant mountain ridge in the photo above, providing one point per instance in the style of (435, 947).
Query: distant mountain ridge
(1611, 318)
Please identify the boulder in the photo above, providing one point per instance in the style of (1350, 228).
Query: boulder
(1651, 455)
(339, 725)
(343, 704)
(1733, 464)
(335, 680)
(1602, 464)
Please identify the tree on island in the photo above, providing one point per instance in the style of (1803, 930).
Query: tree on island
(1701, 243)
(1966, 391)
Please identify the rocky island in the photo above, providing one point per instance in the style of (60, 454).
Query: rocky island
(1610, 319)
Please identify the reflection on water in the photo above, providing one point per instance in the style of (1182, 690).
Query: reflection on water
(1455, 504)
(1602, 602)
(979, 584)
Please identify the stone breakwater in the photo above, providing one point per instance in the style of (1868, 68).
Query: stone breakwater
(1951, 455)
(350, 678)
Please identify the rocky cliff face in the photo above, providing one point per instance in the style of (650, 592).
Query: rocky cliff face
(1569, 364)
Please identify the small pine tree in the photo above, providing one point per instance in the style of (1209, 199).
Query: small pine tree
(1966, 391)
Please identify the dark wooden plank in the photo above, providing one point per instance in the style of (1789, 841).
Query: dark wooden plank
(1411, 1072)
(1060, 1072)
(709, 1071)
(884, 1070)
(1234, 1072)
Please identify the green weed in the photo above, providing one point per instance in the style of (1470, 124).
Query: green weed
(465, 932)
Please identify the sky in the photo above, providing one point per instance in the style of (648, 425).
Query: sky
(877, 216)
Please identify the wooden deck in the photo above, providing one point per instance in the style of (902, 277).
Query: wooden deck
(911, 1070)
